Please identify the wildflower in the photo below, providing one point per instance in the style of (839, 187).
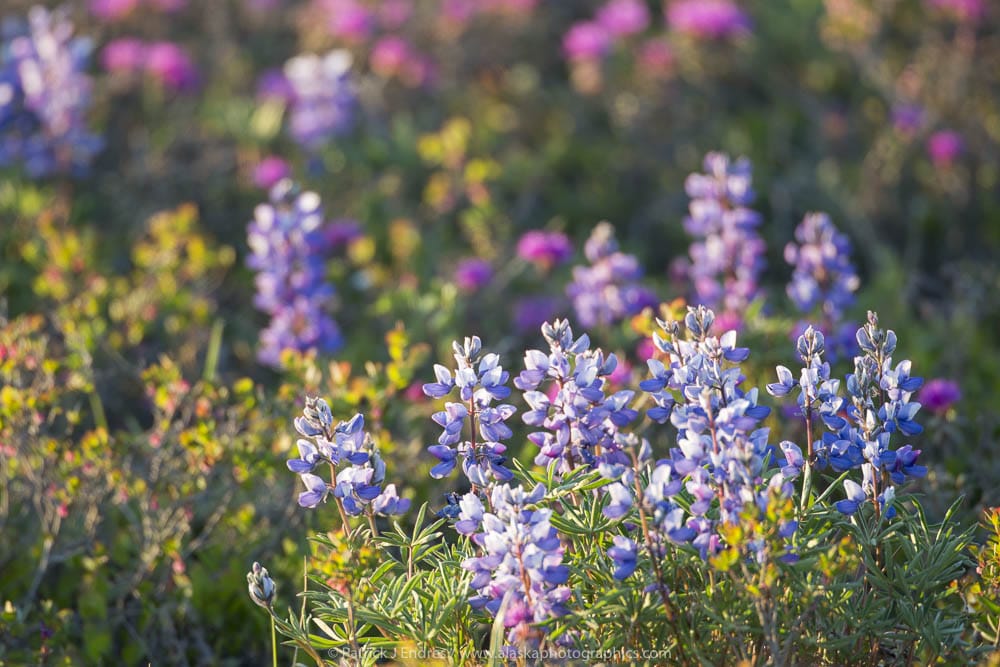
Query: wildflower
(125, 55)
(586, 41)
(707, 19)
(316, 493)
(944, 147)
(939, 395)
(622, 18)
(44, 96)
(473, 274)
(171, 66)
(260, 586)
(544, 249)
(624, 554)
(727, 255)
(324, 99)
(270, 171)
(287, 246)
(608, 290)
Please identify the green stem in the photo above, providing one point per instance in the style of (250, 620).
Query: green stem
(274, 645)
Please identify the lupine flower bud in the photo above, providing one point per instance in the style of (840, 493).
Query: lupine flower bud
(261, 586)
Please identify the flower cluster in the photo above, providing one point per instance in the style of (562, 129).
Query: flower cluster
(544, 249)
(615, 20)
(165, 62)
(45, 96)
(357, 487)
(287, 248)
(582, 424)
(861, 425)
(480, 380)
(608, 290)
(727, 257)
(520, 572)
(323, 98)
(721, 451)
(708, 19)
(824, 279)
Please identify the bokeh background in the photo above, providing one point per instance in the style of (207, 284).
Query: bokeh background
(157, 339)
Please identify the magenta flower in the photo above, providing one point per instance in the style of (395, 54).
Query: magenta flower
(707, 19)
(169, 64)
(394, 13)
(545, 249)
(939, 394)
(944, 147)
(390, 55)
(349, 19)
(270, 170)
(472, 274)
(125, 55)
(587, 40)
(622, 18)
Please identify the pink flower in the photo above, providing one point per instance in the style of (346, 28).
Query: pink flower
(622, 18)
(390, 55)
(349, 19)
(169, 64)
(944, 147)
(939, 394)
(587, 40)
(707, 19)
(645, 349)
(270, 170)
(546, 249)
(124, 55)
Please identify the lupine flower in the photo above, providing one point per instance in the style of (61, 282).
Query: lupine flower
(608, 290)
(624, 555)
(622, 18)
(260, 586)
(544, 249)
(581, 423)
(707, 19)
(522, 563)
(44, 97)
(727, 256)
(357, 486)
(824, 280)
(324, 98)
(171, 66)
(720, 453)
(860, 435)
(586, 41)
(480, 380)
(472, 274)
(270, 171)
(939, 394)
(287, 247)
(944, 147)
